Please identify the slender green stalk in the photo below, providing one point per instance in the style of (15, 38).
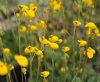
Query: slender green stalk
(38, 69)
(31, 59)
(52, 57)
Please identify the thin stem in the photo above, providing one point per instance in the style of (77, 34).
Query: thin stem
(52, 57)
(38, 69)
(30, 68)
(22, 75)
(73, 47)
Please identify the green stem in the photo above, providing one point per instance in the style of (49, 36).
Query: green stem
(38, 69)
(52, 57)
(30, 67)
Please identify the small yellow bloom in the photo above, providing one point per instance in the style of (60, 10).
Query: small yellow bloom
(10, 67)
(30, 49)
(53, 38)
(98, 35)
(24, 70)
(21, 60)
(82, 42)
(3, 69)
(90, 52)
(33, 7)
(39, 53)
(6, 51)
(27, 12)
(96, 30)
(54, 45)
(45, 74)
(22, 29)
(90, 25)
(76, 23)
(31, 27)
(81, 70)
(17, 14)
(44, 41)
(30, 14)
(65, 49)
(63, 31)
(60, 40)
(88, 3)
(55, 5)
(23, 8)
(62, 69)
(41, 24)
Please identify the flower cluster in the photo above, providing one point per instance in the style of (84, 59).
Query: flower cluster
(55, 5)
(28, 12)
(35, 50)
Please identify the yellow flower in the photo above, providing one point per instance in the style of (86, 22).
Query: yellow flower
(60, 40)
(41, 24)
(82, 42)
(88, 3)
(62, 69)
(90, 52)
(23, 8)
(44, 41)
(65, 49)
(90, 25)
(30, 49)
(17, 14)
(6, 51)
(39, 53)
(96, 30)
(88, 31)
(33, 7)
(81, 70)
(56, 6)
(98, 35)
(10, 67)
(53, 38)
(30, 14)
(54, 45)
(45, 74)
(32, 27)
(63, 31)
(24, 70)
(21, 60)
(22, 29)
(76, 23)
(27, 12)
(3, 69)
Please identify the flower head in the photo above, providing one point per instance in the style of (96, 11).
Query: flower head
(21, 60)
(41, 24)
(82, 42)
(53, 38)
(55, 5)
(44, 41)
(90, 52)
(22, 29)
(32, 27)
(88, 3)
(90, 25)
(53, 45)
(45, 74)
(30, 49)
(65, 49)
(6, 51)
(39, 53)
(3, 69)
(76, 23)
